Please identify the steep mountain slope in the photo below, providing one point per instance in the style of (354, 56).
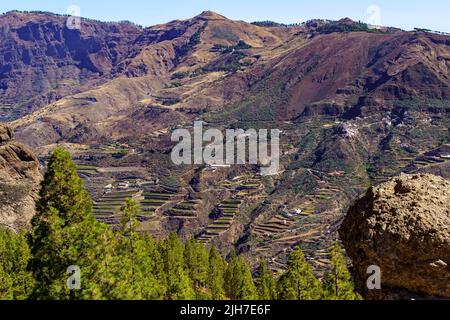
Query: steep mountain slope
(140, 79)
(42, 60)
(250, 73)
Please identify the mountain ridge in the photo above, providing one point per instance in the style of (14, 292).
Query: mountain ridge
(156, 52)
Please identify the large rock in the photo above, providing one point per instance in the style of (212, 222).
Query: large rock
(402, 226)
(19, 181)
(6, 134)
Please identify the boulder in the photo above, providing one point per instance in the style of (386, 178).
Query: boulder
(403, 227)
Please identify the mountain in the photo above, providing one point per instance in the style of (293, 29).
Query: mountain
(356, 105)
(42, 60)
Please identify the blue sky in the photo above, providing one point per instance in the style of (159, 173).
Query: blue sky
(432, 14)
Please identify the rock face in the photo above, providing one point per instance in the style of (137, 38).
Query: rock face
(42, 60)
(402, 226)
(19, 181)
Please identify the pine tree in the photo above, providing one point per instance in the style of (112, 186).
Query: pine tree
(299, 282)
(129, 222)
(197, 265)
(65, 233)
(265, 283)
(152, 263)
(239, 283)
(179, 286)
(338, 283)
(216, 272)
(62, 192)
(16, 282)
(135, 270)
(129, 212)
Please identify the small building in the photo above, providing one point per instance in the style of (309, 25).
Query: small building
(286, 215)
(123, 185)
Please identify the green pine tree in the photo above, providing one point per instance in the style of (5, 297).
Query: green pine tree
(239, 283)
(16, 282)
(179, 285)
(197, 264)
(135, 270)
(265, 283)
(65, 233)
(338, 282)
(299, 282)
(150, 262)
(216, 272)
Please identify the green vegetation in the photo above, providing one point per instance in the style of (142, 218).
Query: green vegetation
(241, 45)
(222, 34)
(338, 284)
(230, 63)
(259, 106)
(16, 282)
(265, 283)
(422, 30)
(125, 264)
(239, 283)
(175, 84)
(180, 75)
(268, 23)
(422, 104)
(299, 282)
(65, 233)
(169, 101)
(337, 26)
(193, 41)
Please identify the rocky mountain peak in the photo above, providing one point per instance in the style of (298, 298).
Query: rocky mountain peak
(211, 15)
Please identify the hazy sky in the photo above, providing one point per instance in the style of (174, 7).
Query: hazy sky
(432, 14)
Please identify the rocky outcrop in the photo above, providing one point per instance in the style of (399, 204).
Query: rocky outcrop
(19, 181)
(403, 227)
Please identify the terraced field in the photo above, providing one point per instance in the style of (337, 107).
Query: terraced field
(229, 208)
(425, 161)
(412, 163)
(107, 209)
(308, 225)
(186, 209)
(275, 225)
(87, 170)
(241, 188)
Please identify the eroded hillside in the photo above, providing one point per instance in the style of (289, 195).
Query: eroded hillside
(356, 106)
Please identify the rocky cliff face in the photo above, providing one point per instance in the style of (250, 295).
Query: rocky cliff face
(19, 181)
(41, 60)
(402, 226)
